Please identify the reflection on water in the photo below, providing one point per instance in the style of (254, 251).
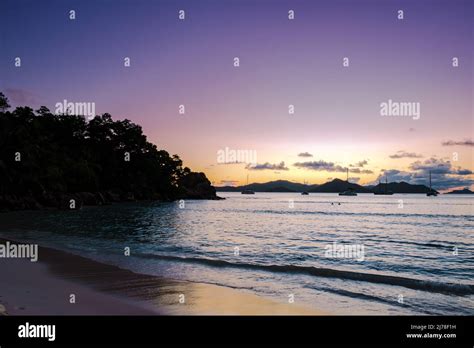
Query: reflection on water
(274, 244)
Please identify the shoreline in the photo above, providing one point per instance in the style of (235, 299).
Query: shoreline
(78, 200)
(45, 288)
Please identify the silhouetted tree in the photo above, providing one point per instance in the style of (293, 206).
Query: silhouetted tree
(3, 103)
(43, 155)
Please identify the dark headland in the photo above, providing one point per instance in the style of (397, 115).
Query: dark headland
(464, 191)
(65, 161)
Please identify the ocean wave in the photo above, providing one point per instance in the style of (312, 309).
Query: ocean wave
(306, 212)
(428, 244)
(416, 284)
(335, 213)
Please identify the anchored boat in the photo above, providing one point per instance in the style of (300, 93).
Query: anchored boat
(350, 191)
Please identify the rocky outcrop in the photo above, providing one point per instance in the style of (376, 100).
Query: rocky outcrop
(193, 186)
(197, 186)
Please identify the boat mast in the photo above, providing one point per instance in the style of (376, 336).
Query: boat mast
(348, 185)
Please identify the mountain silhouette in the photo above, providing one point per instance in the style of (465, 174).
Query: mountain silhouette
(464, 191)
(333, 186)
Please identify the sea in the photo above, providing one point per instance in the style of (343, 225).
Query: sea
(403, 254)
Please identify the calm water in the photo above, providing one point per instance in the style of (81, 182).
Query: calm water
(419, 248)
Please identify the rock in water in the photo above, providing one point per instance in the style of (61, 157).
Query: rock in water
(197, 186)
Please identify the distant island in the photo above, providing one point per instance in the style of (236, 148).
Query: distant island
(64, 161)
(334, 186)
(464, 191)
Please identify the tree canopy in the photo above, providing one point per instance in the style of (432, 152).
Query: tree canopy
(43, 153)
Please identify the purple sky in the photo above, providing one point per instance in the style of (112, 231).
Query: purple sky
(337, 110)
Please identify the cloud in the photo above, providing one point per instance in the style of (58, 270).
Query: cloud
(324, 166)
(404, 154)
(467, 142)
(360, 171)
(305, 154)
(443, 174)
(359, 164)
(396, 175)
(267, 166)
(320, 166)
(21, 96)
(463, 172)
(436, 166)
(230, 163)
(228, 182)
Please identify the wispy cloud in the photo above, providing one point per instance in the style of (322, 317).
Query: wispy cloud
(359, 164)
(405, 154)
(467, 142)
(230, 163)
(267, 166)
(305, 154)
(20, 96)
(329, 167)
(354, 179)
(320, 166)
(360, 171)
(228, 182)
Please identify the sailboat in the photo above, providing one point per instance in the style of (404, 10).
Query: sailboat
(247, 191)
(384, 192)
(350, 191)
(305, 193)
(431, 192)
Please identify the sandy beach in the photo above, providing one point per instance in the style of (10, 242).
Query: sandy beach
(45, 288)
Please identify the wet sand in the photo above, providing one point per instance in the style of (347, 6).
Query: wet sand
(45, 288)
